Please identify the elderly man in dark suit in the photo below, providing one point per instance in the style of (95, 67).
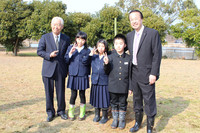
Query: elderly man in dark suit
(145, 48)
(52, 48)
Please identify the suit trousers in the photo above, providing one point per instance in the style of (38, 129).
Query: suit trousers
(59, 82)
(143, 91)
(118, 101)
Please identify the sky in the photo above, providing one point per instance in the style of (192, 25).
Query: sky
(92, 6)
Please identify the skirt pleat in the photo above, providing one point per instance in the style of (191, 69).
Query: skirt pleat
(78, 83)
(99, 96)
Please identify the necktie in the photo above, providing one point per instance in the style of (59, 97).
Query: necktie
(135, 48)
(57, 42)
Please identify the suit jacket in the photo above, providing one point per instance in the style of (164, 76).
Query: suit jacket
(46, 46)
(79, 63)
(118, 69)
(149, 53)
(99, 76)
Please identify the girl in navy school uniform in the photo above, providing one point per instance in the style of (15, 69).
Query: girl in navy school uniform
(77, 57)
(99, 95)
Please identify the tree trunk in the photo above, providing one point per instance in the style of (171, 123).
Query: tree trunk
(16, 47)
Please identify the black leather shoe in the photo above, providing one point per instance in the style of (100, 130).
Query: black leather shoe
(49, 118)
(64, 116)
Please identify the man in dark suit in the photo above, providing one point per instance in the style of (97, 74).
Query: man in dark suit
(52, 48)
(145, 48)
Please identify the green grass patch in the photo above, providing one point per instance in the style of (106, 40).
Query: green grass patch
(27, 54)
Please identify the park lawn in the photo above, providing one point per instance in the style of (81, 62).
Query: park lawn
(22, 100)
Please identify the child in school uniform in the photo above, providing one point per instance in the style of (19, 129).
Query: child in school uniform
(117, 65)
(77, 57)
(99, 95)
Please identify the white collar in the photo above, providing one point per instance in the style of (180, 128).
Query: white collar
(79, 49)
(55, 36)
(140, 31)
(100, 57)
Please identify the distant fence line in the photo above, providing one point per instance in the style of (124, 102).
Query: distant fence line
(179, 53)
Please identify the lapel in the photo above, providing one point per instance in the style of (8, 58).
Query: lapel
(132, 39)
(142, 38)
(61, 41)
(52, 41)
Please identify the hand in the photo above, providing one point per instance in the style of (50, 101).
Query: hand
(152, 79)
(93, 51)
(54, 54)
(105, 59)
(73, 49)
(130, 92)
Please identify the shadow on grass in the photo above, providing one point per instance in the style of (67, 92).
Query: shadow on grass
(27, 54)
(168, 108)
(46, 127)
(10, 106)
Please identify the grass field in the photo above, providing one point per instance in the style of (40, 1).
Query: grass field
(22, 100)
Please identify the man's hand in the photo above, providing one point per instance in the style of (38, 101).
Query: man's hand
(152, 79)
(54, 54)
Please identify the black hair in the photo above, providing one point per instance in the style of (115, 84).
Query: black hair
(82, 35)
(105, 44)
(136, 11)
(120, 36)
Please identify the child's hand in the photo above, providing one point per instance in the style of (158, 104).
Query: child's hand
(130, 92)
(73, 49)
(105, 59)
(93, 51)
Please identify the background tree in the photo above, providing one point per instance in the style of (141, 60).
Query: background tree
(93, 30)
(39, 22)
(168, 9)
(76, 21)
(13, 21)
(188, 28)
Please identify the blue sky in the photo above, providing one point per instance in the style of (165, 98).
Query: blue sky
(92, 6)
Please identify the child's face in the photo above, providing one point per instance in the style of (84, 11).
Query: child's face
(119, 45)
(101, 48)
(80, 42)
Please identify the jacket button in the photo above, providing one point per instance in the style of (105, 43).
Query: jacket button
(120, 79)
(120, 73)
(120, 67)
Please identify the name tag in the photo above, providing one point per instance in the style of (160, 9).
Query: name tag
(125, 63)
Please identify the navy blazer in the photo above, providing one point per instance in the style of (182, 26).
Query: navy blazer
(99, 76)
(79, 63)
(46, 46)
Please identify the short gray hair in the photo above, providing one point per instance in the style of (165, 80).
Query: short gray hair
(61, 20)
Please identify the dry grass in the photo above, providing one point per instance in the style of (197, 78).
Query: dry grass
(22, 99)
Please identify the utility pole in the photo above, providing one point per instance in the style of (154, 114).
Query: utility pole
(115, 26)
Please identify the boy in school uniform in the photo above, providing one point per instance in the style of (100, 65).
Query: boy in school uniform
(117, 65)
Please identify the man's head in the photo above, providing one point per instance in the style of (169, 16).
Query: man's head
(136, 18)
(57, 25)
